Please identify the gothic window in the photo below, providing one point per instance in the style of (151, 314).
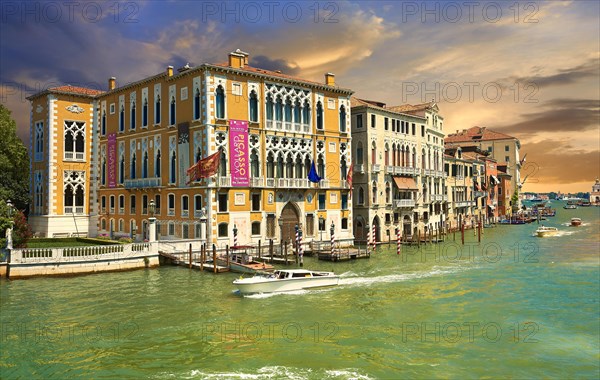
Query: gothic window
(253, 104)
(132, 116)
(359, 153)
(103, 123)
(74, 184)
(254, 164)
(220, 102)
(173, 168)
(39, 141)
(269, 108)
(74, 140)
(132, 168)
(278, 109)
(306, 113)
(145, 113)
(343, 168)
(361, 196)
(319, 115)
(321, 166)
(172, 111)
(145, 166)
(270, 166)
(122, 119)
(122, 170)
(197, 104)
(297, 110)
(223, 164)
(157, 165)
(157, 110)
(343, 119)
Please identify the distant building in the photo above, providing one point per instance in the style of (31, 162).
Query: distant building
(595, 194)
(398, 168)
(504, 192)
(501, 147)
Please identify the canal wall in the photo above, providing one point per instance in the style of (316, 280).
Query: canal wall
(32, 262)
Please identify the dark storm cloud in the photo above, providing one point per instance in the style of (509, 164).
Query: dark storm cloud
(267, 63)
(589, 69)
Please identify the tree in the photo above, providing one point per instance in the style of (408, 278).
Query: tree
(514, 201)
(14, 163)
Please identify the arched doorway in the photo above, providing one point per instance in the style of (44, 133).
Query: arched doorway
(406, 230)
(377, 229)
(290, 217)
(360, 232)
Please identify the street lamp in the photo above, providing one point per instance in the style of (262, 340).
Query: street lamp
(152, 208)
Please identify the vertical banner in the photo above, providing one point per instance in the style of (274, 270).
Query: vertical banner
(238, 153)
(183, 152)
(111, 160)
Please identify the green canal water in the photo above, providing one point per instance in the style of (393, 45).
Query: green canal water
(513, 306)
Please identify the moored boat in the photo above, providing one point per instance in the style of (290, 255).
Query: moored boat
(546, 231)
(570, 207)
(575, 222)
(286, 280)
(242, 262)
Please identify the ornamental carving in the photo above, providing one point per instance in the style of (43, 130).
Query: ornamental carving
(75, 108)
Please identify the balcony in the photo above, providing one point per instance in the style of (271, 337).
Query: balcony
(375, 168)
(480, 194)
(288, 126)
(405, 170)
(388, 169)
(257, 182)
(429, 172)
(297, 127)
(437, 197)
(271, 182)
(359, 168)
(464, 204)
(292, 183)
(324, 184)
(73, 209)
(224, 181)
(344, 184)
(141, 183)
(400, 203)
(269, 124)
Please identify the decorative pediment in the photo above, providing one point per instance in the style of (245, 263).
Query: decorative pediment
(75, 108)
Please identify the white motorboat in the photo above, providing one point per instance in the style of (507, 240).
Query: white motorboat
(546, 231)
(576, 222)
(286, 280)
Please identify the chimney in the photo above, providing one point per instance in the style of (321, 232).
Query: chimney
(330, 79)
(238, 59)
(169, 71)
(112, 83)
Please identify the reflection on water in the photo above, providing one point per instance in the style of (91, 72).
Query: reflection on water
(513, 305)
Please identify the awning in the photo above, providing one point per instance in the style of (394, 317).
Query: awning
(495, 180)
(492, 207)
(406, 183)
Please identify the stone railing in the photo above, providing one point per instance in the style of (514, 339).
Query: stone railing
(399, 203)
(141, 183)
(89, 253)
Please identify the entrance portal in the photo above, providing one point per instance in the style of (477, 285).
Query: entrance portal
(291, 219)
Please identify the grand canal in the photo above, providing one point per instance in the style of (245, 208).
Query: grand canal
(512, 306)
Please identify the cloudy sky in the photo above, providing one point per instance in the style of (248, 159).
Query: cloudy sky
(527, 68)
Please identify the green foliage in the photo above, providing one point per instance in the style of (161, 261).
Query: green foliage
(125, 240)
(22, 232)
(14, 163)
(514, 200)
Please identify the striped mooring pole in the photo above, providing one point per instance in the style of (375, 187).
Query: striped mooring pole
(235, 238)
(398, 245)
(368, 239)
(373, 240)
(332, 238)
(297, 242)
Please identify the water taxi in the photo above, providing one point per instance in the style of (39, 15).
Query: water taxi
(546, 231)
(286, 280)
(575, 222)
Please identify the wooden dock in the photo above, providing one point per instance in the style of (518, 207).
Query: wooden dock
(343, 254)
(193, 261)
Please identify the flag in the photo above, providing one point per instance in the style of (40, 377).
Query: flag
(206, 167)
(349, 177)
(523, 160)
(312, 175)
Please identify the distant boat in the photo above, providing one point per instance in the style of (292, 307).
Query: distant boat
(575, 222)
(241, 262)
(546, 231)
(570, 207)
(286, 280)
(585, 204)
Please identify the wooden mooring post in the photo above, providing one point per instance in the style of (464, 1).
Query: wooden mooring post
(214, 258)
(285, 251)
(227, 253)
(190, 255)
(271, 249)
(259, 250)
(462, 233)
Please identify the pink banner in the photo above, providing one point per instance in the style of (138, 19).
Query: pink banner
(238, 153)
(111, 160)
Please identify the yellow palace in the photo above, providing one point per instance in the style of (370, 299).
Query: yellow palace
(101, 161)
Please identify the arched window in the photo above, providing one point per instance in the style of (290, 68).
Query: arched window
(253, 106)
(393, 154)
(145, 113)
(361, 196)
(69, 142)
(197, 104)
(157, 165)
(373, 153)
(220, 100)
(270, 166)
(79, 145)
(386, 155)
(306, 113)
(157, 110)
(172, 111)
(414, 158)
(173, 168)
(299, 167)
(198, 154)
(145, 166)
(79, 199)
(254, 164)
(280, 166)
(223, 164)
(359, 153)
(319, 115)
(307, 163)
(132, 116)
(68, 199)
(278, 109)
(321, 166)
(103, 173)
(289, 167)
(122, 119)
(269, 108)
(297, 110)
(132, 168)
(223, 230)
(343, 119)
(343, 168)
(103, 123)
(122, 170)
(288, 110)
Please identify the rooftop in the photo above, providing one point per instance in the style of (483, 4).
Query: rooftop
(475, 134)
